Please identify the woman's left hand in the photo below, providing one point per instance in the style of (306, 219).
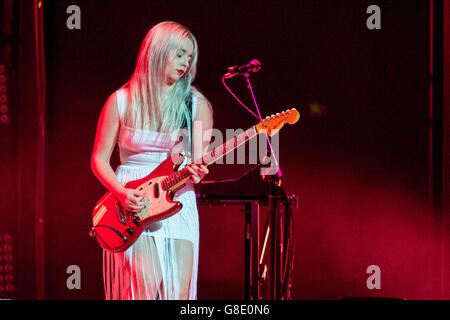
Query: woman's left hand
(198, 172)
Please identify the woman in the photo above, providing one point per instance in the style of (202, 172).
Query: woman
(142, 118)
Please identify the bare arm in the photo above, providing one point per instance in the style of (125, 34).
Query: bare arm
(105, 140)
(202, 132)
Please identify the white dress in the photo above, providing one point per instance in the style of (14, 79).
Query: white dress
(149, 269)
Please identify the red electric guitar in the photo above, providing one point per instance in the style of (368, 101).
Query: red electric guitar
(116, 229)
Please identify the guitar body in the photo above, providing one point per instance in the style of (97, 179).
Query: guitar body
(116, 229)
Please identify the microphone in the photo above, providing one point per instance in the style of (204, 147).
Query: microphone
(253, 66)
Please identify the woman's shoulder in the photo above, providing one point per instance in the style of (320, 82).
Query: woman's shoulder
(109, 114)
(122, 93)
(121, 98)
(115, 97)
(203, 108)
(201, 101)
(111, 102)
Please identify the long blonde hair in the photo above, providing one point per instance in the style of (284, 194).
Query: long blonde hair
(147, 109)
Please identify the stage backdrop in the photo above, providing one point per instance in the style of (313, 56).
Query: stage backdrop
(357, 160)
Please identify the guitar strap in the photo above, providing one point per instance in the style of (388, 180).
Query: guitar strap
(189, 106)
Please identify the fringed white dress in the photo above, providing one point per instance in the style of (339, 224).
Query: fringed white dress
(150, 268)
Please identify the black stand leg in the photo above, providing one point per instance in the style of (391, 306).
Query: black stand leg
(251, 273)
(247, 246)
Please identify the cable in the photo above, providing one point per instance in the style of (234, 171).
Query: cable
(231, 92)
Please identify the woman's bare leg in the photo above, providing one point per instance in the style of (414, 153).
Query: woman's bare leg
(146, 274)
(185, 259)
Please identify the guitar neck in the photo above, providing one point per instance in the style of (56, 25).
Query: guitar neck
(209, 158)
(220, 151)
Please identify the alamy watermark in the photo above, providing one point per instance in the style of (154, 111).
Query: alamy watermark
(374, 280)
(74, 20)
(231, 149)
(74, 280)
(374, 20)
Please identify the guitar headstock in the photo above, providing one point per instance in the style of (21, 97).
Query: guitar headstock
(277, 121)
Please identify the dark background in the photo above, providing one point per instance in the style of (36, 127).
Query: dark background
(359, 164)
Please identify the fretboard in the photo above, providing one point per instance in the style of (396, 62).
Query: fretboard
(211, 157)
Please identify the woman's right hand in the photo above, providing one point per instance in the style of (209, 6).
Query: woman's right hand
(132, 200)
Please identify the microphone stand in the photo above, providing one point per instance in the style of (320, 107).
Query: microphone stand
(272, 153)
(259, 117)
(273, 220)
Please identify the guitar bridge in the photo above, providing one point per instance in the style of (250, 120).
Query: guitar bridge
(120, 213)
